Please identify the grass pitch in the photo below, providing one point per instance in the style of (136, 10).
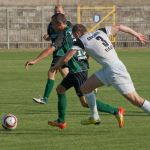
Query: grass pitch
(18, 86)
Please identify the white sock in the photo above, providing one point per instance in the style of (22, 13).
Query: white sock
(146, 106)
(91, 100)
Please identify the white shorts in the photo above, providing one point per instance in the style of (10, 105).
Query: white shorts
(117, 76)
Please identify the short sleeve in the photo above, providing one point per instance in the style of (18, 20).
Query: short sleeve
(78, 45)
(106, 30)
(59, 40)
(49, 28)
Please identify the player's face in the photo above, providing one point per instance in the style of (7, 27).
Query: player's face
(58, 10)
(59, 26)
(76, 35)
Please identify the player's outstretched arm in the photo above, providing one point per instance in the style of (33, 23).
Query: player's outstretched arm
(140, 37)
(42, 55)
(29, 63)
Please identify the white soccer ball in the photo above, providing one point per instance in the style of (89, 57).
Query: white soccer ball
(9, 121)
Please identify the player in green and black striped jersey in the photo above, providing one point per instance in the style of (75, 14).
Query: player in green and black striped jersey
(52, 35)
(78, 72)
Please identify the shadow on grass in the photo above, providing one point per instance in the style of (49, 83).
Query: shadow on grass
(55, 131)
(13, 103)
(129, 113)
(32, 112)
(84, 113)
(136, 113)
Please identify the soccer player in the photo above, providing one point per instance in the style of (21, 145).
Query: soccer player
(98, 46)
(51, 35)
(78, 71)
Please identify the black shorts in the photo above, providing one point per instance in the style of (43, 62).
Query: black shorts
(75, 80)
(54, 61)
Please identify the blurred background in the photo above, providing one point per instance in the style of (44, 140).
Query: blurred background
(23, 23)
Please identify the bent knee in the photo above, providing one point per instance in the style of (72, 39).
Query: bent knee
(60, 89)
(51, 75)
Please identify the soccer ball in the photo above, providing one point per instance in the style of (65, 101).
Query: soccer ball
(9, 121)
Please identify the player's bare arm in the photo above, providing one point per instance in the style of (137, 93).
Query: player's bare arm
(42, 55)
(140, 37)
(64, 59)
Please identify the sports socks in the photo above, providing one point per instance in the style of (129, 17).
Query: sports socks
(48, 89)
(62, 104)
(91, 100)
(146, 106)
(102, 107)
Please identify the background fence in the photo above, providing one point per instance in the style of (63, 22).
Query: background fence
(23, 27)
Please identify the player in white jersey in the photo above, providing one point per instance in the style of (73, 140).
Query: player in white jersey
(99, 47)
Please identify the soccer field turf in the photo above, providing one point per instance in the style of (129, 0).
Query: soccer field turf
(18, 86)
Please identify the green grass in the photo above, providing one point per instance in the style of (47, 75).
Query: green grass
(18, 86)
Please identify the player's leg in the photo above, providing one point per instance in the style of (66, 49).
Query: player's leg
(64, 71)
(49, 84)
(138, 101)
(87, 89)
(90, 97)
(89, 85)
(48, 88)
(51, 79)
(81, 79)
(62, 105)
(62, 102)
(123, 83)
(101, 106)
(117, 112)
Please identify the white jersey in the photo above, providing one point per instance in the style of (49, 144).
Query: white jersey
(98, 45)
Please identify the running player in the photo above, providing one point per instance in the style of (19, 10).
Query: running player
(51, 35)
(98, 46)
(78, 70)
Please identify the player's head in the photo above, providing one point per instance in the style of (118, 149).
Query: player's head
(59, 21)
(78, 30)
(59, 9)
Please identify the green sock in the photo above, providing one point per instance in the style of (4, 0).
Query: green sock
(106, 108)
(62, 104)
(48, 88)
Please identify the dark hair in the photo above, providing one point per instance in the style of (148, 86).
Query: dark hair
(59, 18)
(79, 28)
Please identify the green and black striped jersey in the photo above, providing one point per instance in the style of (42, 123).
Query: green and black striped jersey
(63, 44)
(56, 36)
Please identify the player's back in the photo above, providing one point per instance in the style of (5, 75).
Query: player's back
(98, 46)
